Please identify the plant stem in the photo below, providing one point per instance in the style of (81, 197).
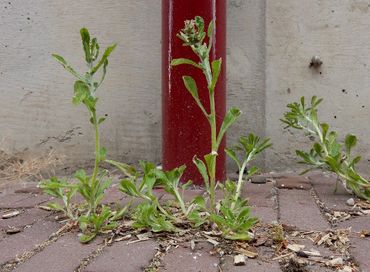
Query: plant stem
(213, 151)
(240, 182)
(180, 201)
(97, 159)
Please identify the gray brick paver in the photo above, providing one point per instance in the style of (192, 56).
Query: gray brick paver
(298, 208)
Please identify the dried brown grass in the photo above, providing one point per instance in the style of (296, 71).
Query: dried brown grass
(24, 166)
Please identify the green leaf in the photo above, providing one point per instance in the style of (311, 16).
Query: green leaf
(252, 171)
(104, 58)
(126, 169)
(210, 29)
(350, 142)
(101, 120)
(238, 237)
(128, 186)
(191, 86)
(102, 154)
(85, 37)
(202, 170)
(181, 61)
(211, 164)
(81, 92)
(216, 70)
(65, 65)
(55, 206)
(199, 21)
(86, 238)
(199, 201)
(230, 118)
(231, 153)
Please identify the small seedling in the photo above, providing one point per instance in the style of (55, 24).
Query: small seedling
(63, 190)
(327, 152)
(249, 147)
(97, 223)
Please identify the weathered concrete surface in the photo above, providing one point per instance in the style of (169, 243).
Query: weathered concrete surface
(336, 31)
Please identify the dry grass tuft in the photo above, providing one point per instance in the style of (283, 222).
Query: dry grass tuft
(24, 166)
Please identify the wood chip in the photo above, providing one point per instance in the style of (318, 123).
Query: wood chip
(13, 230)
(313, 253)
(239, 260)
(45, 208)
(213, 242)
(122, 238)
(295, 247)
(192, 245)
(335, 262)
(11, 214)
(365, 233)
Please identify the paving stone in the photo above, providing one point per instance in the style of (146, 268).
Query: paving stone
(293, 182)
(357, 223)
(26, 240)
(134, 257)
(8, 200)
(17, 201)
(260, 195)
(185, 260)
(255, 265)
(64, 255)
(298, 208)
(112, 195)
(265, 214)
(27, 217)
(361, 251)
(324, 187)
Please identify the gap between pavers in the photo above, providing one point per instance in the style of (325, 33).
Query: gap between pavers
(324, 186)
(63, 255)
(184, 259)
(124, 257)
(19, 243)
(298, 208)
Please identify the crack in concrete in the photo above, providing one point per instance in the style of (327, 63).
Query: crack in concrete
(67, 136)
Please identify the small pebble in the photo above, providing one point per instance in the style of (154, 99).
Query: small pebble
(239, 260)
(350, 202)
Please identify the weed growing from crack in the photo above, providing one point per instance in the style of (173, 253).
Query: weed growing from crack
(91, 216)
(327, 152)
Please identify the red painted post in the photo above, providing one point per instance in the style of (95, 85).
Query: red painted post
(185, 130)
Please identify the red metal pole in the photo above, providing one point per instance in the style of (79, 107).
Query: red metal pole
(185, 130)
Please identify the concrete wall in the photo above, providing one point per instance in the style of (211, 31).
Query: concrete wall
(338, 31)
(270, 44)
